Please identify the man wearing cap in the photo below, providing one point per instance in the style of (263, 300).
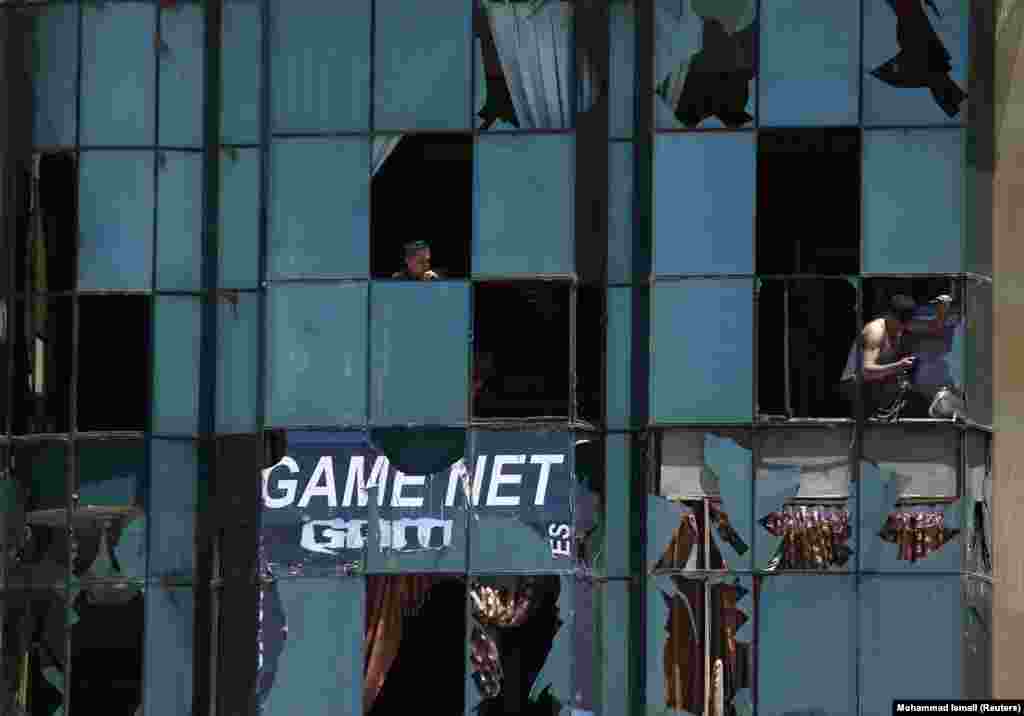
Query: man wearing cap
(417, 263)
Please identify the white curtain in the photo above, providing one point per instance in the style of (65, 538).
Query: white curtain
(382, 148)
(534, 44)
(820, 457)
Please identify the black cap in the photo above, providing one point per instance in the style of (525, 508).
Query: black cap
(414, 246)
(902, 307)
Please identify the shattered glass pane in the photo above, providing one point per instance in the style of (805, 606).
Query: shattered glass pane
(699, 517)
(705, 60)
(805, 502)
(910, 503)
(521, 495)
(977, 504)
(977, 638)
(37, 548)
(32, 653)
(794, 674)
(700, 645)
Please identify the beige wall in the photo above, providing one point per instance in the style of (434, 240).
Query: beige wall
(1008, 358)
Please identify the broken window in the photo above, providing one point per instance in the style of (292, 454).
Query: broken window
(913, 188)
(805, 500)
(915, 62)
(508, 381)
(976, 649)
(900, 610)
(416, 176)
(313, 330)
(422, 65)
(919, 371)
(704, 220)
(32, 654)
(319, 224)
(809, 64)
(911, 513)
(705, 62)
(113, 389)
(525, 186)
(699, 509)
(590, 354)
(805, 329)
(39, 332)
(35, 515)
(702, 357)
(47, 227)
(805, 225)
(978, 364)
(793, 614)
(977, 507)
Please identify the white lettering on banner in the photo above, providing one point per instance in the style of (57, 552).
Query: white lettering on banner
(324, 471)
(457, 475)
(401, 481)
(561, 544)
(333, 536)
(498, 479)
(356, 482)
(289, 486)
(545, 462)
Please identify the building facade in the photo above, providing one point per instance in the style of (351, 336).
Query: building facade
(637, 444)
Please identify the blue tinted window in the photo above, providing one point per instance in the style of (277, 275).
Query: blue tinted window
(896, 611)
(704, 198)
(239, 219)
(420, 362)
(176, 336)
(238, 362)
(179, 229)
(900, 38)
(173, 490)
(319, 208)
(809, 63)
(619, 378)
(422, 65)
(115, 200)
(119, 74)
(318, 668)
(795, 614)
(181, 75)
(241, 71)
(622, 65)
(705, 63)
(55, 71)
(524, 210)
(702, 362)
(320, 72)
(618, 500)
(620, 212)
(317, 354)
(913, 201)
(167, 661)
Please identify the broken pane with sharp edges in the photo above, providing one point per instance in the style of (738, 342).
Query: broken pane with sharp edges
(40, 349)
(35, 515)
(978, 524)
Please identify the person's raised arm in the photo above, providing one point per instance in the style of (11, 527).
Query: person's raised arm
(872, 337)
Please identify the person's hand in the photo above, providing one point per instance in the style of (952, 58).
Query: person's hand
(906, 363)
(430, 275)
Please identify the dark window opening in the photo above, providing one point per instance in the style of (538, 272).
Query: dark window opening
(521, 350)
(422, 191)
(113, 368)
(47, 235)
(106, 657)
(40, 334)
(805, 328)
(590, 363)
(808, 201)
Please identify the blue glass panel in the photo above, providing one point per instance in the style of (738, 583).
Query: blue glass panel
(618, 501)
(240, 219)
(704, 199)
(895, 612)
(179, 228)
(803, 483)
(794, 676)
(182, 75)
(119, 74)
(620, 212)
(420, 361)
(704, 63)
(619, 377)
(318, 666)
(241, 71)
(317, 354)
(112, 474)
(176, 341)
(320, 72)
(524, 211)
(422, 64)
(320, 208)
(622, 68)
(915, 62)
(168, 652)
(920, 466)
(172, 507)
(702, 362)
(809, 63)
(115, 200)
(238, 355)
(522, 489)
(55, 75)
(913, 201)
